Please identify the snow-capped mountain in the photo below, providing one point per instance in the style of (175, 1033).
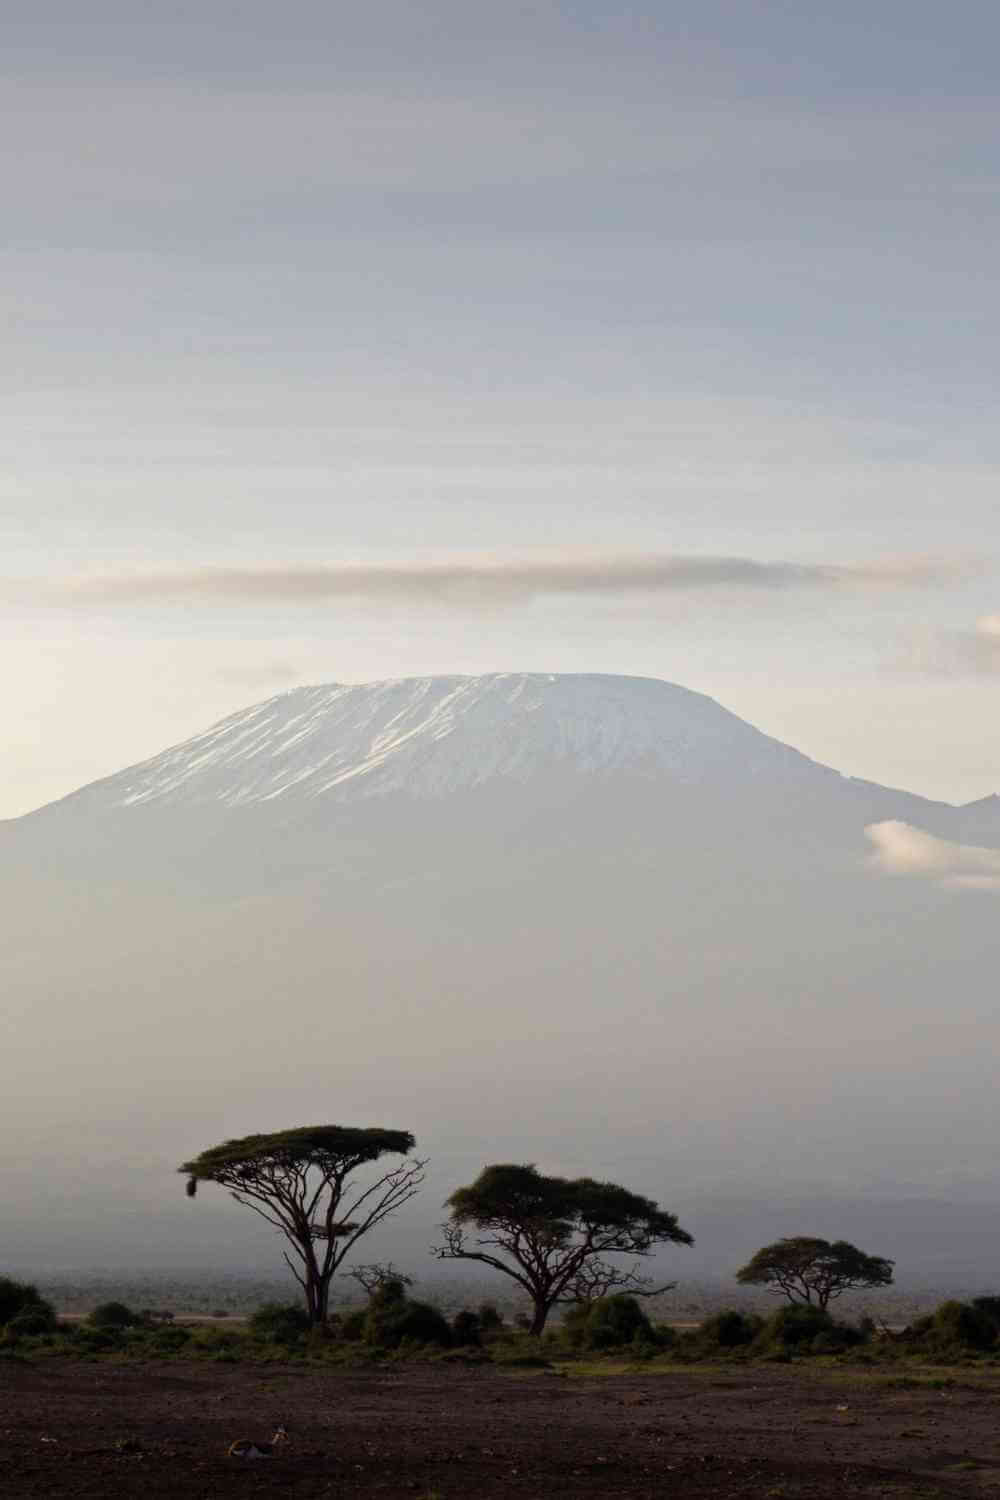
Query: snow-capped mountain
(597, 922)
(431, 736)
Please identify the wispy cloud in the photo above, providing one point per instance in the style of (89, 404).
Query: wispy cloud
(901, 849)
(470, 581)
(959, 653)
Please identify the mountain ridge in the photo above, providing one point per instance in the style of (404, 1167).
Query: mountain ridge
(428, 737)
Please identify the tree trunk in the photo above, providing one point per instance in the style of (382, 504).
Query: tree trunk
(539, 1317)
(317, 1289)
(322, 1301)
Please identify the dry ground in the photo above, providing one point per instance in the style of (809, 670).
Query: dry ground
(773, 1432)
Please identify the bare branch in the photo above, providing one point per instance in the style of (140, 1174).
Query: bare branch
(371, 1277)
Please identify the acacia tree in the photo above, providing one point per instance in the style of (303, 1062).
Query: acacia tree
(301, 1182)
(371, 1278)
(551, 1234)
(804, 1269)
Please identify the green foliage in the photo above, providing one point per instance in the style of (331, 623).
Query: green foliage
(392, 1319)
(730, 1329)
(801, 1327)
(490, 1319)
(92, 1340)
(964, 1324)
(352, 1325)
(113, 1315)
(957, 1328)
(608, 1323)
(518, 1351)
(557, 1207)
(169, 1340)
(349, 1147)
(812, 1270)
(466, 1329)
(615, 1321)
(33, 1321)
(19, 1298)
(279, 1323)
(988, 1309)
(795, 1326)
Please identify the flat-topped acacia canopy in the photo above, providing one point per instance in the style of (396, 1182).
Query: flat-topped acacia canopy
(550, 1234)
(332, 1148)
(298, 1180)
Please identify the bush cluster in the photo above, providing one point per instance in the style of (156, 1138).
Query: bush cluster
(24, 1312)
(393, 1323)
(614, 1322)
(956, 1329)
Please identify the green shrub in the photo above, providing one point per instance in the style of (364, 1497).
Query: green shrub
(608, 1323)
(803, 1328)
(519, 1351)
(113, 1315)
(731, 1329)
(279, 1322)
(352, 1325)
(794, 1326)
(466, 1329)
(827, 1343)
(17, 1297)
(227, 1342)
(32, 1321)
(91, 1340)
(392, 1319)
(169, 1340)
(490, 1319)
(988, 1309)
(958, 1326)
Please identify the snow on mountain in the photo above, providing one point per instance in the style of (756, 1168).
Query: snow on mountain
(431, 736)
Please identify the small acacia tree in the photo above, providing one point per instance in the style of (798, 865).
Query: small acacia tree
(371, 1278)
(301, 1182)
(804, 1269)
(548, 1233)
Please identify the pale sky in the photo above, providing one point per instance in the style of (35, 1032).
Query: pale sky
(349, 342)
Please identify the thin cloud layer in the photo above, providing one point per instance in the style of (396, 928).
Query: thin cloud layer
(472, 581)
(901, 849)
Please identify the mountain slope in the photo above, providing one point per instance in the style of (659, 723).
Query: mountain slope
(432, 737)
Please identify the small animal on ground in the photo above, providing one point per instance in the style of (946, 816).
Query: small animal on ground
(249, 1448)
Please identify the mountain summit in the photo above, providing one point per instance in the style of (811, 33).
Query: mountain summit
(431, 736)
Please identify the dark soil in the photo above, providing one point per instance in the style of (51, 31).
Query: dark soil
(101, 1429)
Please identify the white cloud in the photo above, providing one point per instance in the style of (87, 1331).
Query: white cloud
(901, 849)
(959, 653)
(466, 581)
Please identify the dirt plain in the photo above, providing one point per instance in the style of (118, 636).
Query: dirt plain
(432, 1432)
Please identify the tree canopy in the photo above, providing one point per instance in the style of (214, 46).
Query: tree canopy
(805, 1269)
(299, 1181)
(551, 1234)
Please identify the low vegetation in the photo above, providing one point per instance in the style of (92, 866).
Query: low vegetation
(393, 1325)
